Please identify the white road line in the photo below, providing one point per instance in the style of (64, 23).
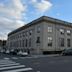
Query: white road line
(7, 58)
(4, 60)
(19, 70)
(9, 65)
(7, 61)
(12, 67)
(38, 71)
(25, 57)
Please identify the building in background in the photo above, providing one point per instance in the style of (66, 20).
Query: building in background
(2, 45)
(41, 36)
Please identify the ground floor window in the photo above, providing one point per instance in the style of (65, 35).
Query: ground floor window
(49, 41)
(61, 42)
(30, 42)
(38, 40)
(68, 42)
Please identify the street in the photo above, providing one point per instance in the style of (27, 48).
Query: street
(12, 63)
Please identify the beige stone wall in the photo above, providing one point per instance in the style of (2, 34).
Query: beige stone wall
(17, 38)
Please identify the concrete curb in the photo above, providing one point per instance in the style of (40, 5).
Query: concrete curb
(54, 55)
(40, 56)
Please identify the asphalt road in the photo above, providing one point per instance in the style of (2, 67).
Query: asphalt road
(42, 64)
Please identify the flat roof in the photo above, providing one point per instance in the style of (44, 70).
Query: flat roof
(41, 19)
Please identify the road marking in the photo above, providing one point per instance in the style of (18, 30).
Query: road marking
(6, 58)
(12, 67)
(9, 64)
(6, 62)
(14, 58)
(38, 71)
(25, 57)
(19, 70)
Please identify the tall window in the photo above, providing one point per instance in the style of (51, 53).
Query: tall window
(68, 32)
(30, 42)
(23, 34)
(38, 40)
(30, 32)
(49, 41)
(27, 33)
(49, 29)
(61, 42)
(68, 43)
(20, 43)
(38, 29)
(26, 42)
(23, 43)
(62, 31)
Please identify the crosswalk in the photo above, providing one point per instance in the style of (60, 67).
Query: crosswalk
(7, 65)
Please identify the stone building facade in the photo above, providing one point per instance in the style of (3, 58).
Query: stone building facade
(41, 36)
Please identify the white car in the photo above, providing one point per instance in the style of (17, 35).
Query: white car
(7, 51)
(22, 53)
(2, 51)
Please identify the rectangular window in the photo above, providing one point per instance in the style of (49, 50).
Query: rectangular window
(62, 31)
(61, 42)
(23, 34)
(26, 42)
(30, 42)
(30, 32)
(68, 43)
(68, 32)
(49, 29)
(23, 43)
(38, 40)
(27, 33)
(49, 41)
(38, 29)
(20, 43)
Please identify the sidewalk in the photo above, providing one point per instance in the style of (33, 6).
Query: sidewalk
(40, 56)
(51, 55)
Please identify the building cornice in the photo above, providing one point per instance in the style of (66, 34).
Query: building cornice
(42, 19)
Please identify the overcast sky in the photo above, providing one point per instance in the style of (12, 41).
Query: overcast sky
(16, 13)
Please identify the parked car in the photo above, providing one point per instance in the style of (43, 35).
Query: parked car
(7, 51)
(67, 52)
(2, 51)
(20, 53)
(13, 52)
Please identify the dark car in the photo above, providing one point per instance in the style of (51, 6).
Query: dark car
(67, 52)
(13, 52)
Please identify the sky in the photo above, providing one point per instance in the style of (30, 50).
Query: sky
(16, 13)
